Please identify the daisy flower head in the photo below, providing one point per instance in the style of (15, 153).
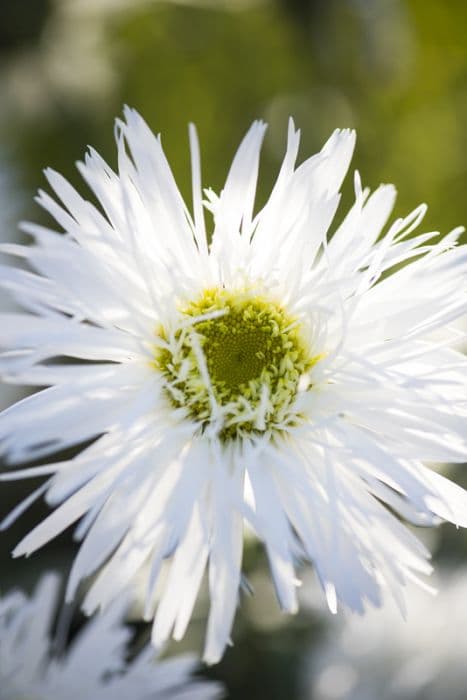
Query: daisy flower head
(95, 664)
(273, 371)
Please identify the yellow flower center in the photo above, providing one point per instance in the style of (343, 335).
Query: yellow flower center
(234, 362)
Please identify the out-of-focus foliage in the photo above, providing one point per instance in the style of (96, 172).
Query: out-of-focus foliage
(396, 70)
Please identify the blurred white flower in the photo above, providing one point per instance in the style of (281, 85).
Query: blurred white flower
(275, 374)
(384, 656)
(95, 665)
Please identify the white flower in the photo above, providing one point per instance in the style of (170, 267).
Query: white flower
(384, 656)
(94, 666)
(277, 375)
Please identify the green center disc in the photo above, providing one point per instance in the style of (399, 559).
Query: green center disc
(239, 346)
(254, 355)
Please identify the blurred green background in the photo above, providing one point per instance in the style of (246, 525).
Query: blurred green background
(396, 70)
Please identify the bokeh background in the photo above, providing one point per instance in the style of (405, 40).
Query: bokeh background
(396, 70)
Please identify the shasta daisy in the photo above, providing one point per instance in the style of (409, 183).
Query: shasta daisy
(95, 664)
(270, 372)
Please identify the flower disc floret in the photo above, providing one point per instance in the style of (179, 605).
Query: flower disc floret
(234, 362)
